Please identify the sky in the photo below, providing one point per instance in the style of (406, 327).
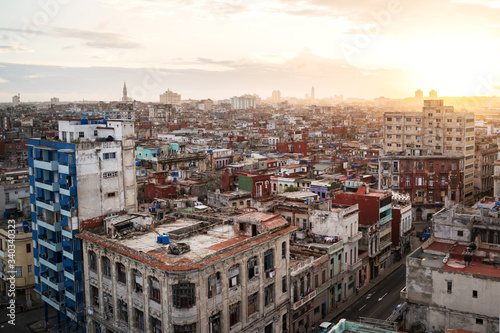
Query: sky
(85, 50)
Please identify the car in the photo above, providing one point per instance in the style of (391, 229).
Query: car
(325, 327)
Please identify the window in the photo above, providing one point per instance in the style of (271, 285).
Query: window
(155, 325)
(28, 248)
(92, 261)
(139, 319)
(95, 132)
(19, 271)
(234, 276)
(283, 284)
(106, 267)
(214, 287)
(94, 296)
(122, 275)
(450, 285)
(479, 321)
(191, 328)
(81, 134)
(234, 314)
(474, 293)
(323, 276)
(253, 303)
(184, 295)
(283, 250)
(137, 281)
(268, 260)
(30, 268)
(123, 311)
(252, 267)
(108, 305)
(269, 295)
(154, 289)
(109, 156)
(316, 281)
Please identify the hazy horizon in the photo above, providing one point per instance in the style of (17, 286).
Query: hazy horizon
(219, 48)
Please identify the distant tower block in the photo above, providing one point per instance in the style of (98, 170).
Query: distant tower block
(419, 98)
(312, 94)
(433, 94)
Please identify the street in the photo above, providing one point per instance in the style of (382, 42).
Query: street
(380, 301)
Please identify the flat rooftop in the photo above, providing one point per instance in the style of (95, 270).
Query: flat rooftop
(208, 241)
(485, 259)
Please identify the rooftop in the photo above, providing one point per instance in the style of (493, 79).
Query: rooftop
(485, 259)
(209, 240)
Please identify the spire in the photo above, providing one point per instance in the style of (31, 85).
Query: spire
(124, 92)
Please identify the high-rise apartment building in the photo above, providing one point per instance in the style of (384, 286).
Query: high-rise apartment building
(433, 94)
(437, 130)
(276, 97)
(419, 98)
(169, 97)
(90, 174)
(16, 100)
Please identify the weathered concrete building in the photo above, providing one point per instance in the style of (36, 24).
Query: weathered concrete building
(431, 182)
(231, 199)
(435, 130)
(375, 217)
(452, 284)
(342, 221)
(485, 156)
(316, 273)
(73, 185)
(191, 275)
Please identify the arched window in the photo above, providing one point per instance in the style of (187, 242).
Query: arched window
(92, 261)
(137, 281)
(106, 267)
(121, 273)
(154, 289)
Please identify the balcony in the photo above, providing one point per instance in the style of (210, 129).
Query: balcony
(356, 237)
(66, 232)
(50, 244)
(70, 293)
(403, 294)
(385, 219)
(67, 190)
(295, 270)
(52, 264)
(71, 314)
(45, 165)
(69, 273)
(385, 244)
(68, 211)
(52, 282)
(47, 184)
(68, 252)
(355, 266)
(52, 300)
(49, 224)
(304, 300)
(67, 169)
(48, 204)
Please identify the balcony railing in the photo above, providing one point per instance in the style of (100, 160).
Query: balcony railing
(304, 300)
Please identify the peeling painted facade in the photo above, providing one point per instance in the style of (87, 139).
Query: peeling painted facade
(234, 277)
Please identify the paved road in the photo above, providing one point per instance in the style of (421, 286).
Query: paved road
(380, 301)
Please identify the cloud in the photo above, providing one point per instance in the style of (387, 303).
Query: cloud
(5, 48)
(3, 80)
(93, 39)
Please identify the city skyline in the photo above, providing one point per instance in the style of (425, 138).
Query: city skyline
(248, 47)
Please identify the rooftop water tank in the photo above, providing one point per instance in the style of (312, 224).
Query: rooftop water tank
(84, 121)
(138, 163)
(6, 214)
